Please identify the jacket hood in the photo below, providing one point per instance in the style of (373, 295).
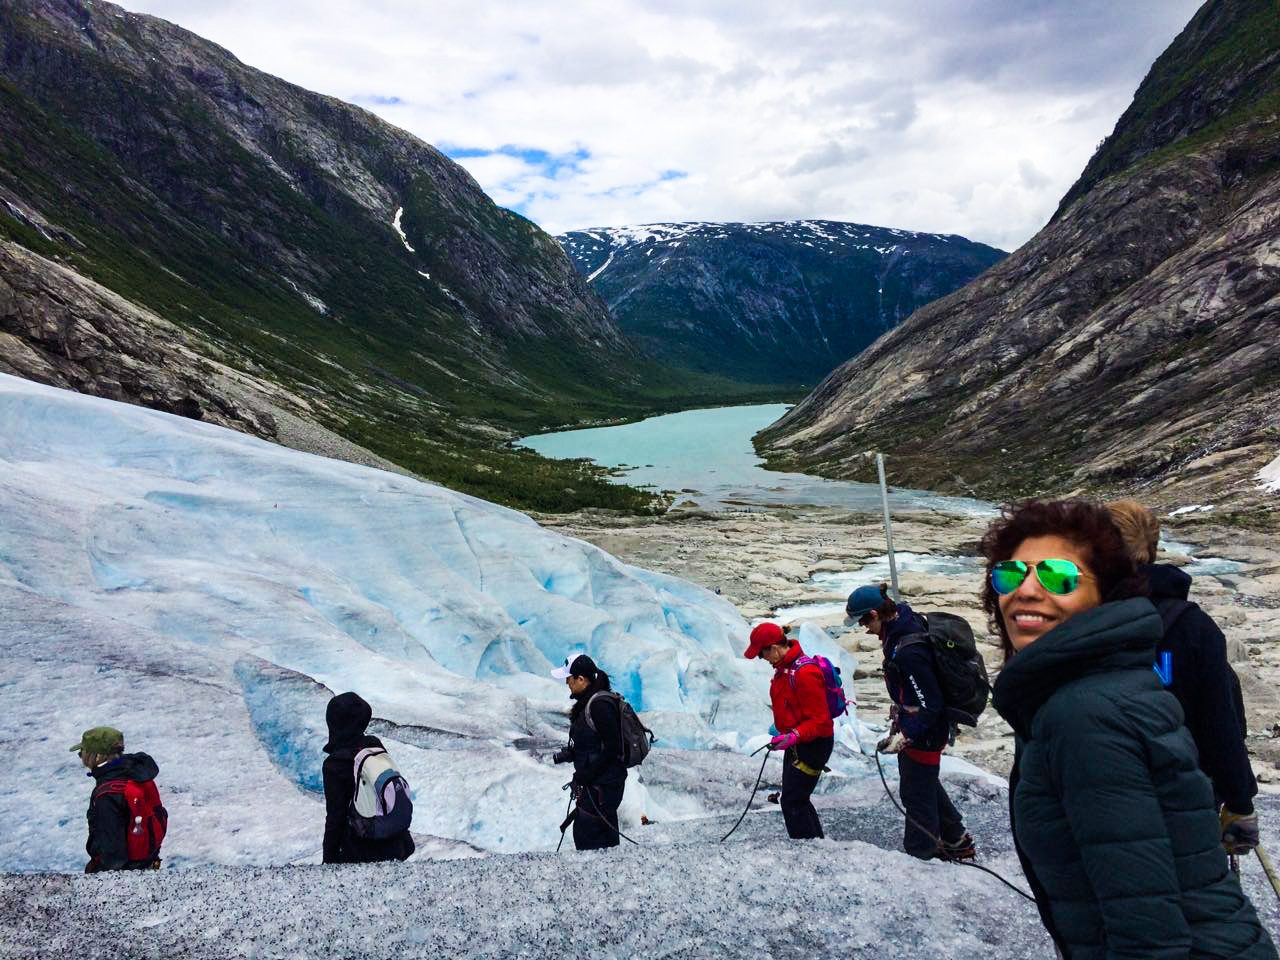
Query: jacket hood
(347, 716)
(1114, 636)
(1167, 580)
(130, 766)
(792, 655)
(906, 624)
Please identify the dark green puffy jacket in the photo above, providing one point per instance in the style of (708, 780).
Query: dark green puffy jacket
(1111, 812)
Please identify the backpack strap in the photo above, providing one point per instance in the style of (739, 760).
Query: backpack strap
(586, 711)
(361, 757)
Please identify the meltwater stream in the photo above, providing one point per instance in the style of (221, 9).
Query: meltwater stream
(706, 456)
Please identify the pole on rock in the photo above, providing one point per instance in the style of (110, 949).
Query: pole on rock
(888, 528)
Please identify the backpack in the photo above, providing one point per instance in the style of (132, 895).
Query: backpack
(636, 737)
(382, 806)
(959, 667)
(837, 701)
(148, 819)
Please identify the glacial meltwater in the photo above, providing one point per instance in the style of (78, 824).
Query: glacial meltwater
(706, 456)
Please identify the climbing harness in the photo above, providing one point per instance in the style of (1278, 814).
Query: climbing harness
(938, 840)
(759, 777)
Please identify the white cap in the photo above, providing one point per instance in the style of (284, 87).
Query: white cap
(562, 673)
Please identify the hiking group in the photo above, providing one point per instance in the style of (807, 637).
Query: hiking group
(1130, 787)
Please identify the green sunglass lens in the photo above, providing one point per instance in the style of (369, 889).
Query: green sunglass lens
(1058, 576)
(1007, 576)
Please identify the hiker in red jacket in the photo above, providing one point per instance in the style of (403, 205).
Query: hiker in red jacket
(127, 822)
(803, 722)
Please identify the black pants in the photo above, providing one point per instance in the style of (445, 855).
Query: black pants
(797, 787)
(596, 825)
(928, 804)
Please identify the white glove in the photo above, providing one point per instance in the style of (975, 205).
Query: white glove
(892, 743)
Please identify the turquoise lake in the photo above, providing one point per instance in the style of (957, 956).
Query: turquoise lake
(706, 456)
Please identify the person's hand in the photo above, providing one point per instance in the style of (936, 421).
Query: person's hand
(892, 743)
(1239, 831)
(784, 741)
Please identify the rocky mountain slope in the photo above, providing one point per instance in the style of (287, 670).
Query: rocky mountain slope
(206, 216)
(770, 302)
(1131, 344)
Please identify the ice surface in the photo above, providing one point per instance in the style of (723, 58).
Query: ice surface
(207, 592)
(1269, 476)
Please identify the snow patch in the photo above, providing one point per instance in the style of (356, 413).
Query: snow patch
(1270, 476)
(400, 230)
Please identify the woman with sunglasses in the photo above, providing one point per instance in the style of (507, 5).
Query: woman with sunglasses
(1112, 818)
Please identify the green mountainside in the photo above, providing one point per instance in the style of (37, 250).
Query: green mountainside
(781, 302)
(323, 264)
(1130, 345)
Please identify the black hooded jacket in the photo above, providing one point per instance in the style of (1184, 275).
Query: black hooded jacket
(347, 716)
(597, 754)
(109, 814)
(1196, 671)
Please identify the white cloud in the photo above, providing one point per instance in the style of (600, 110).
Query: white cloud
(958, 116)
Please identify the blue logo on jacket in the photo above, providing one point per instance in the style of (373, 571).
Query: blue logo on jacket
(1164, 668)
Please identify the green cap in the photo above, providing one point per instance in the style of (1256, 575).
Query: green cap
(100, 740)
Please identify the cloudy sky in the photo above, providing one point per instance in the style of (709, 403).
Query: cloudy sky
(955, 116)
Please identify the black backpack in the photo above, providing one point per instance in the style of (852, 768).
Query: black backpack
(961, 672)
(636, 737)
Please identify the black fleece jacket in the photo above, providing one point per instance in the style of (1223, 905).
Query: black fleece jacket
(1198, 674)
(597, 754)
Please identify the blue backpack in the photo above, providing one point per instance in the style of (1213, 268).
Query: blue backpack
(837, 702)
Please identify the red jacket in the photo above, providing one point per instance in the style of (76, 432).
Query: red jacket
(799, 698)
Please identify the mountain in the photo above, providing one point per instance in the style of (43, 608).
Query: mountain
(1131, 344)
(768, 302)
(180, 230)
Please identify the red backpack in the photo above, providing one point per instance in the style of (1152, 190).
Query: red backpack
(147, 818)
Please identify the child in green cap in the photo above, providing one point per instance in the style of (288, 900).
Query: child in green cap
(126, 819)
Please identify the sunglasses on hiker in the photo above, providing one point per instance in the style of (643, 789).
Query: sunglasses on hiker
(1059, 577)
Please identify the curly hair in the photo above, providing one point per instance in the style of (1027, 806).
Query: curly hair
(1086, 524)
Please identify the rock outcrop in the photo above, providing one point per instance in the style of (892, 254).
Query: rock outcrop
(1131, 344)
(768, 302)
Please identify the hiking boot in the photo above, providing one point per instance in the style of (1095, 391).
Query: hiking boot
(962, 849)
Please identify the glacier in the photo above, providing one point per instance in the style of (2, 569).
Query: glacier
(207, 592)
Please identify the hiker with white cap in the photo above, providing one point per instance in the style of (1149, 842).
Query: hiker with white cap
(597, 752)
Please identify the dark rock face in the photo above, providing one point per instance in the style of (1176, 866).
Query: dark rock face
(768, 302)
(1132, 344)
(297, 237)
(58, 328)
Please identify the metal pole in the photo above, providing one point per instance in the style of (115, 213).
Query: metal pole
(888, 528)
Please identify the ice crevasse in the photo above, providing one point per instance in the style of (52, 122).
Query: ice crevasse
(207, 592)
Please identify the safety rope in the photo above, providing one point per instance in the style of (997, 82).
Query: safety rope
(938, 840)
(601, 817)
(759, 777)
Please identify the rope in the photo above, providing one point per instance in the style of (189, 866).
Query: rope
(1271, 870)
(938, 840)
(601, 817)
(759, 777)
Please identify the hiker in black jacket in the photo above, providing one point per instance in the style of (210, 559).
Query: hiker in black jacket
(596, 751)
(1191, 662)
(347, 716)
(919, 728)
(1114, 822)
(101, 750)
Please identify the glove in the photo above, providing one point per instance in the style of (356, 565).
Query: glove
(1239, 831)
(892, 743)
(783, 741)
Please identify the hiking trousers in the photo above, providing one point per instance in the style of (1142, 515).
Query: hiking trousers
(927, 803)
(596, 825)
(798, 784)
